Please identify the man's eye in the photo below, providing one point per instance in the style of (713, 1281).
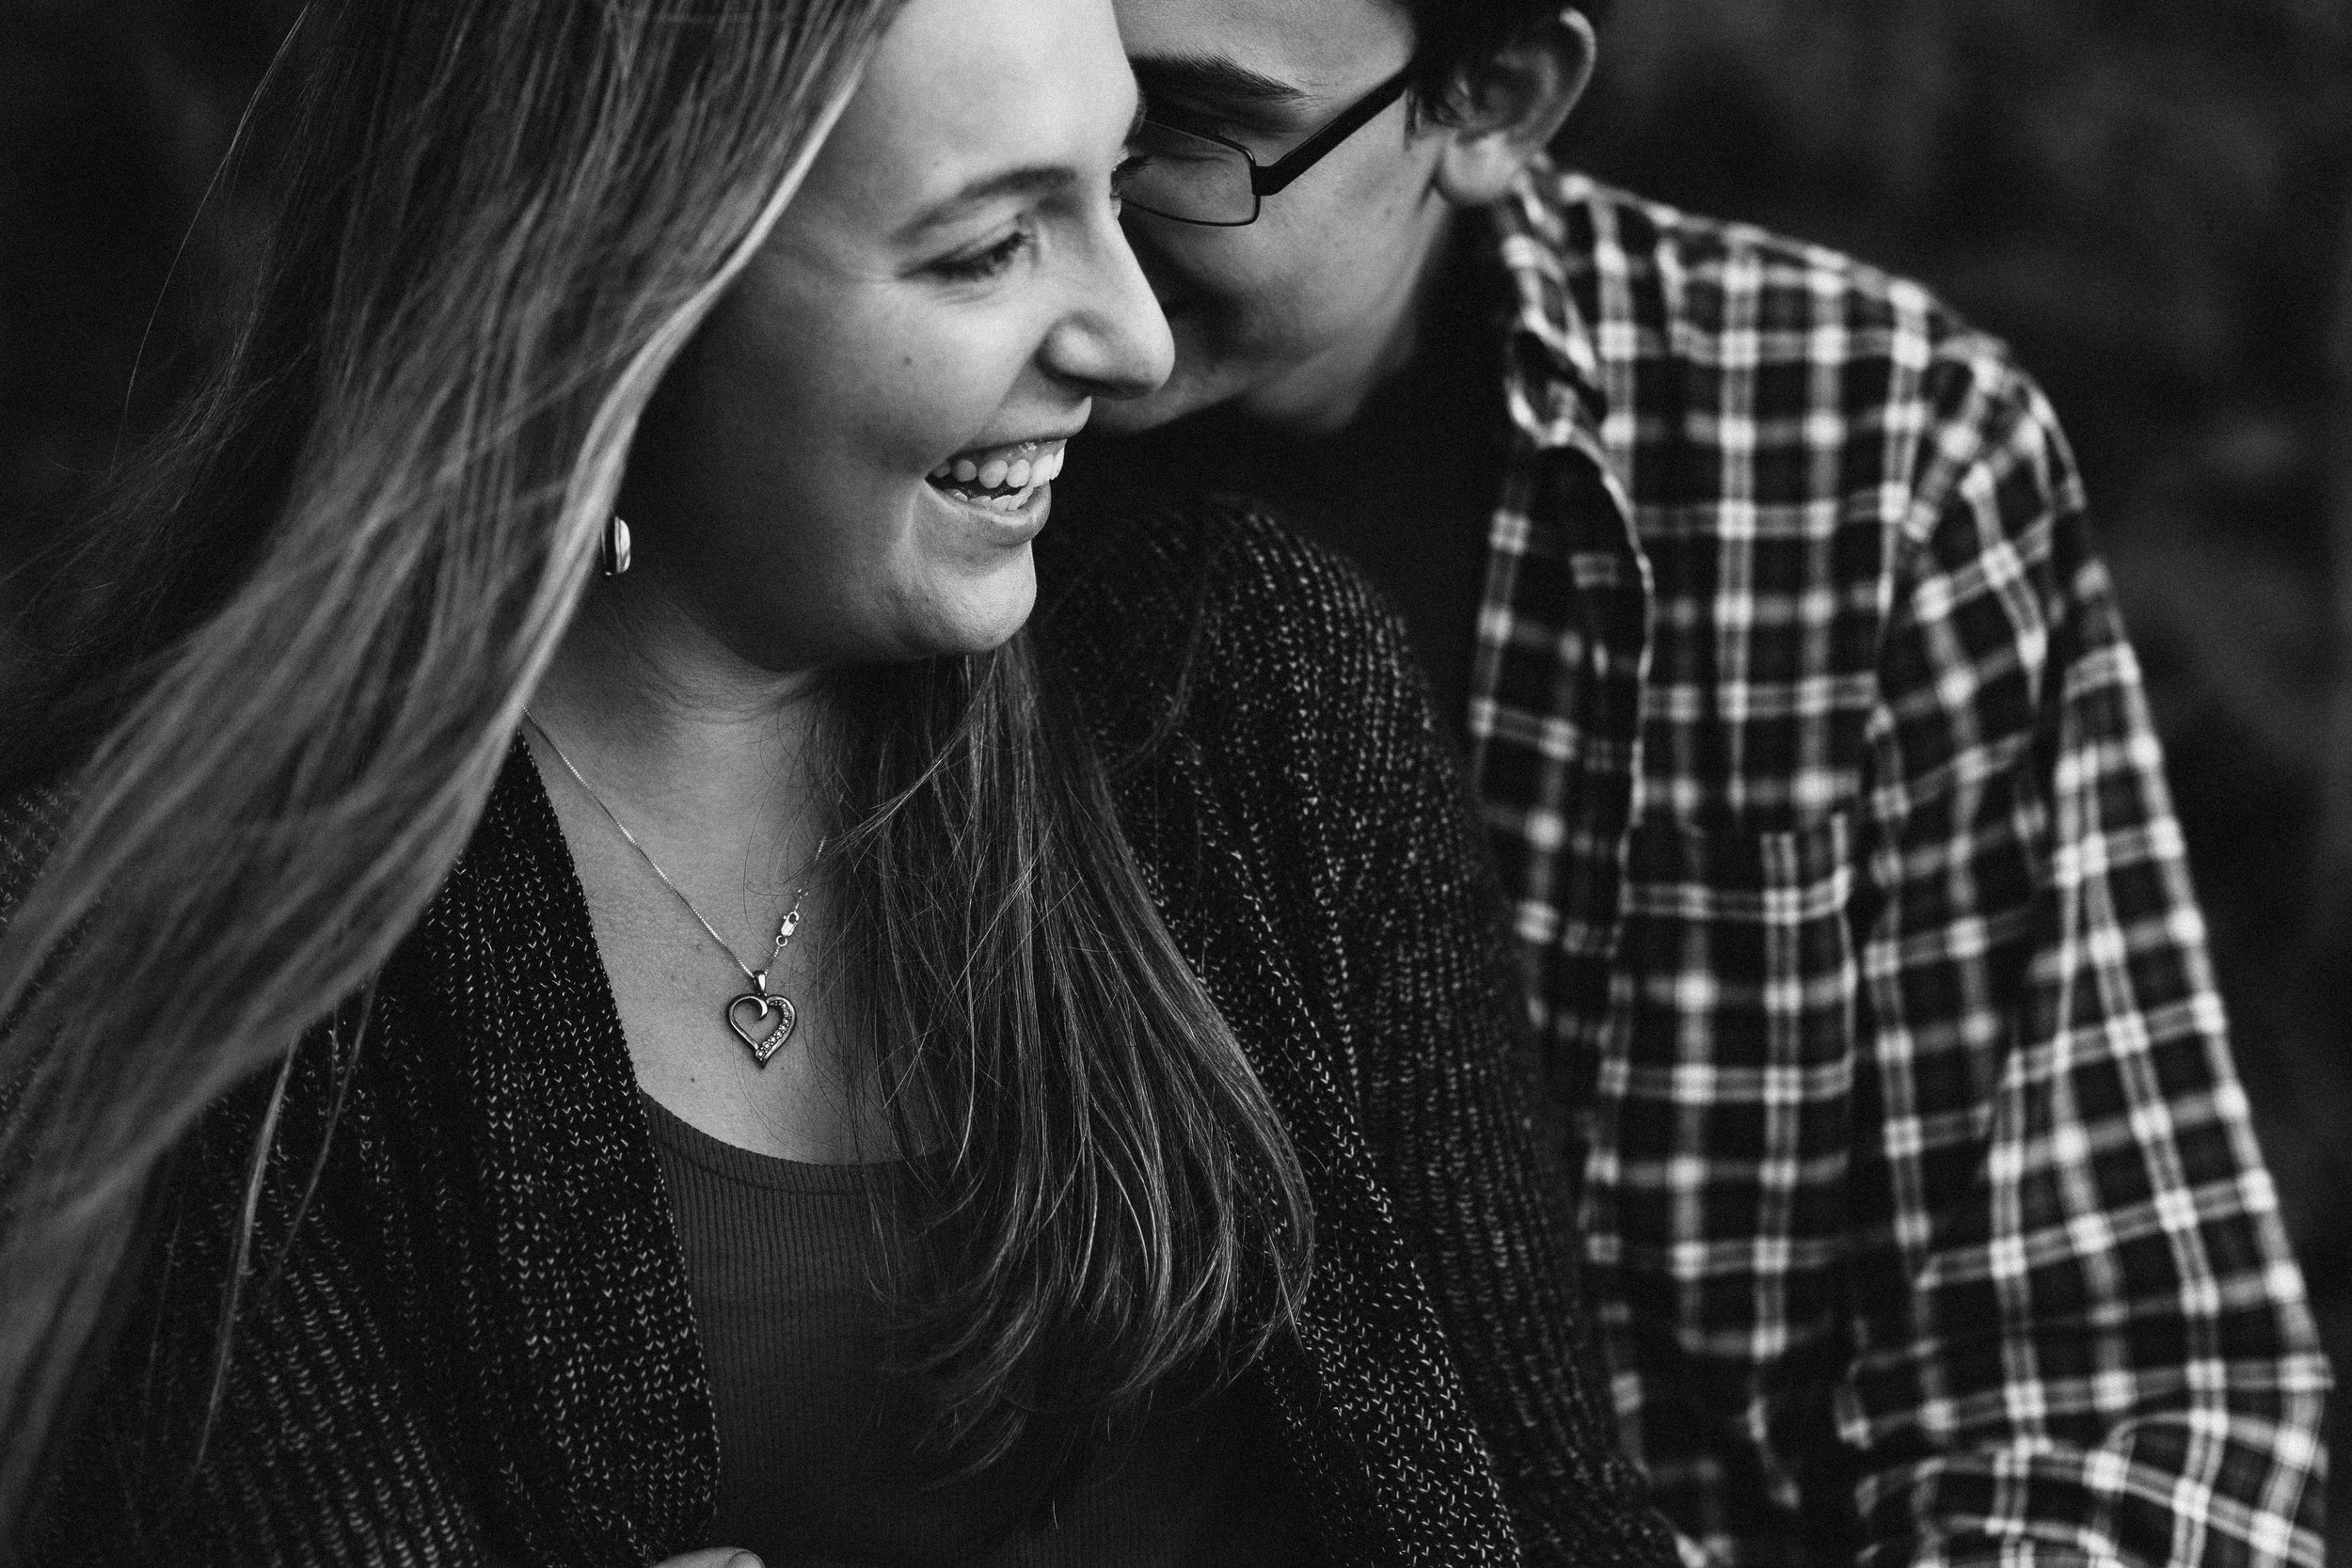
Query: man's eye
(980, 265)
(1128, 167)
(1187, 118)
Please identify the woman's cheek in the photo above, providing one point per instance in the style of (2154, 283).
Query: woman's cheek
(962, 364)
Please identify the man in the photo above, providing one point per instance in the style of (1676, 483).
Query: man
(1920, 1199)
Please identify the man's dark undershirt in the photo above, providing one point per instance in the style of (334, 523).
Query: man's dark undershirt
(1406, 490)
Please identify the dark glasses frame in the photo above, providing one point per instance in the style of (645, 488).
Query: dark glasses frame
(1269, 178)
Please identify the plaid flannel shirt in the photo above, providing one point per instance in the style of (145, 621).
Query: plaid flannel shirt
(1924, 1217)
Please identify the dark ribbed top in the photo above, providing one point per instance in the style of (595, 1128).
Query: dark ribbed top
(819, 1463)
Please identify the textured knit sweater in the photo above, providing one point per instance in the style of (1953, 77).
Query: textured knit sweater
(478, 1345)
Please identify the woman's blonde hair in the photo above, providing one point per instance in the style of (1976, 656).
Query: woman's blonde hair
(302, 638)
(295, 652)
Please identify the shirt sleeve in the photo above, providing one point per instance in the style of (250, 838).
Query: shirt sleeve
(2079, 1336)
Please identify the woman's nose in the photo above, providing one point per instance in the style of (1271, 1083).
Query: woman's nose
(1114, 340)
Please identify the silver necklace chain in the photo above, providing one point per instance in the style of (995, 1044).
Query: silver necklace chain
(785, 928)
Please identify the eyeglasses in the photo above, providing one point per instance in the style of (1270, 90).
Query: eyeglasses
(1196, 178)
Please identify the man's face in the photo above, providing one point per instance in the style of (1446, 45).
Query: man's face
(1292, 318)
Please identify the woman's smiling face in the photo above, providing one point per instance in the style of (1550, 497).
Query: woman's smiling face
(849, 461)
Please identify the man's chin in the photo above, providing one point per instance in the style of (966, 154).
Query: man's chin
(1134, 415)
(1201, 381)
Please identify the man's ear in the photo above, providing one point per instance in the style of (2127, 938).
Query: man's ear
(1511, 106)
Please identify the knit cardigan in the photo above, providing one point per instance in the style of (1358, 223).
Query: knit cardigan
(477, 1345)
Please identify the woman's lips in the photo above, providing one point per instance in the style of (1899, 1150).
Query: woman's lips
(1002, 478)
(1014, 518)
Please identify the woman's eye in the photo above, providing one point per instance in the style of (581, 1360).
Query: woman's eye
(980, 265)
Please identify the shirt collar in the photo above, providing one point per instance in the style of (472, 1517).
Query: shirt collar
(1553, 376)
(1555, 383)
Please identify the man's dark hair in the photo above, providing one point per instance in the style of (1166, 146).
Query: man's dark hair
(1456, 36)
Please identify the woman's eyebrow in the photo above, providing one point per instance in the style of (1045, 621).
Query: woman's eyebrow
(1029, 180)
(1217, 87)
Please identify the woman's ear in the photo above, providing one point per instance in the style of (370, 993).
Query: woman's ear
(1511, 106)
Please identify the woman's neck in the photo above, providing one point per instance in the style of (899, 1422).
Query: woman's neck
(675, 733)
(712, 766)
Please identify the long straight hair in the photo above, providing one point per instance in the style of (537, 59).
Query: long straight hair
(1101, 1203)
(297, 647)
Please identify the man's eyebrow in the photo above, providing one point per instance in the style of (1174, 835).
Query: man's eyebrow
(1029, 180)
(1214, 84)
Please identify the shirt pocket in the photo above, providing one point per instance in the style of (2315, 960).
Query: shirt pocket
(1727, 1082)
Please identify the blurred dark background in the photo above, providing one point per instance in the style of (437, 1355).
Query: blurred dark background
(2148, 200)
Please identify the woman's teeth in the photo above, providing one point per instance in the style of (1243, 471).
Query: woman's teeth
(1001, 478)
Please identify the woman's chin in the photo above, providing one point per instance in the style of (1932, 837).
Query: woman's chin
(955, 607)
(981, 577)
(977, 613)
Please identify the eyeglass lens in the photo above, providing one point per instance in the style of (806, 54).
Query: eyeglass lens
(1195, 178)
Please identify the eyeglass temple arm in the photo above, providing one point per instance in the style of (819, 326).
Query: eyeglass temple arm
(1274, 176)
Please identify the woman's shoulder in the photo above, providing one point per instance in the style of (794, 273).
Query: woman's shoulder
(1152, 596)
(30, 823)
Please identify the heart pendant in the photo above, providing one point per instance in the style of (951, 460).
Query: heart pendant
(759, 1005)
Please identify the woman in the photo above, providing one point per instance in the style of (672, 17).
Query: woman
(518, 1065)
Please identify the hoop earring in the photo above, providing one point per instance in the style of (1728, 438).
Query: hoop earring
(612, 550)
